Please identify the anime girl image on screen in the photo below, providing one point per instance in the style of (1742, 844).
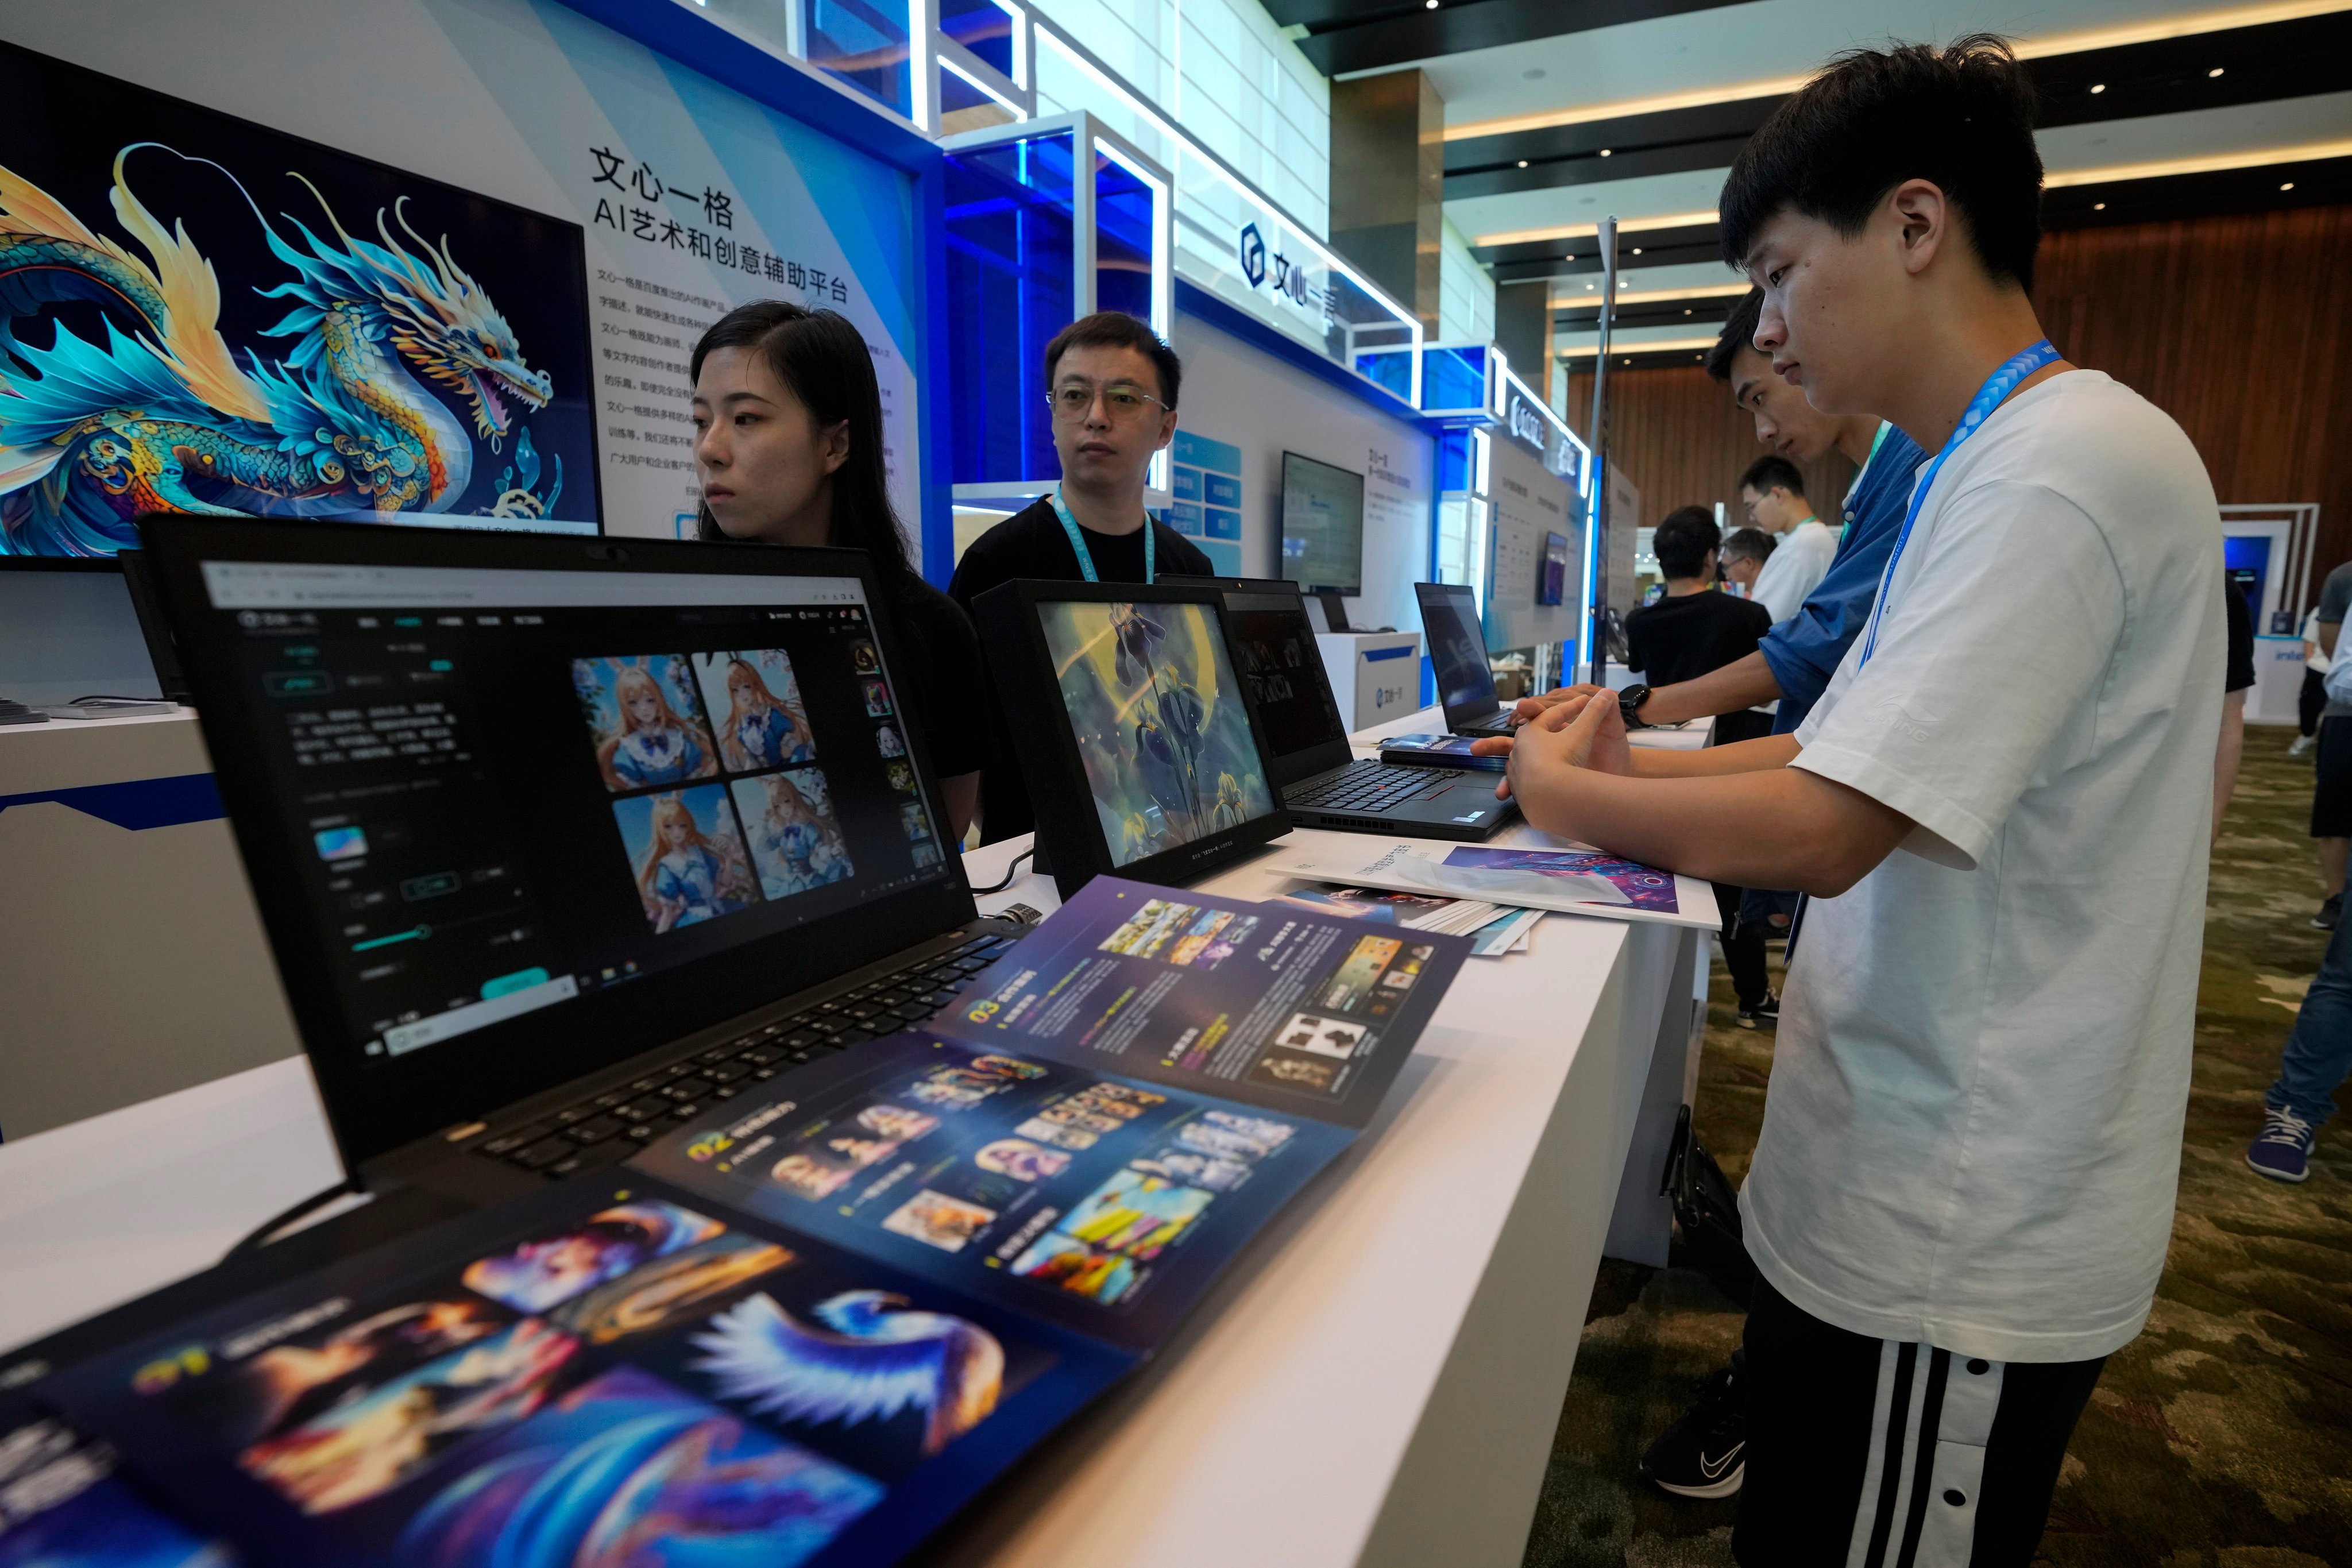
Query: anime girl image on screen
(205, 316)
(688, 859)
(796, 839)
(754, 702)
(645, 720)
(1151, 697)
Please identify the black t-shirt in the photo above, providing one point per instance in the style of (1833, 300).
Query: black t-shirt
(939, 650)
(1031, 543)
(2242, 639)
(1682, 638)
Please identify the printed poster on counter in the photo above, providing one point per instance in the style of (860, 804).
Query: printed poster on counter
(810, 1324)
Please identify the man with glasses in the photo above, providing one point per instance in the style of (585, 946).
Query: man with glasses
(1112, 386)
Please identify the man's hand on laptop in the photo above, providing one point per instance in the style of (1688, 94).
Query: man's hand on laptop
(1575, 733)
(1526, 710)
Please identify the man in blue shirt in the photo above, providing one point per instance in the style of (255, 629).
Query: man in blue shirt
(1795, 662)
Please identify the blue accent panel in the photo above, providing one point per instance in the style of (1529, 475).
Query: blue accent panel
(1428, 683)
(1196, 301)
(1186, 484)
(1374, 655)
(1393, 368)
(1225, 559)
(136, 804)
(1453, 378)
(696, 41)
(1224, 491)
(1184, 517)
(935, 399)
(1223, 525)
(1201, 452)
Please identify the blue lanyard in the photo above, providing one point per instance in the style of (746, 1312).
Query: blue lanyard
(1989, 396)
(1078, 543)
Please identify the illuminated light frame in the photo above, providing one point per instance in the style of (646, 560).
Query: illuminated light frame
(1593, 230)
(1090, 136)
(2209, 163)
(1652, 296)
(1621, 349)
(1110, 81)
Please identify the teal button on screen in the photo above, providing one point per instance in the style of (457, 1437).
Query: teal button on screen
(520, 980)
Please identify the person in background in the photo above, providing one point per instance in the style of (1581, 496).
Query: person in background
(1745, 552)
(1113, 386)
(1773, 492)
(2238, 676)
(1960, 1200)
(2312, 700)
(1689, 631)
(788, 446)
(2318, 1054)
(2331, 791)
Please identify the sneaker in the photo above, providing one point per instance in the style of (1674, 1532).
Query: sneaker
(1701, 1455)
(2329, 912)
(1768, 1011)
(2282, 1152)
(2302, 744)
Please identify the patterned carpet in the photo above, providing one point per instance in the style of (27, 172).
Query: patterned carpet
(2222, 1437)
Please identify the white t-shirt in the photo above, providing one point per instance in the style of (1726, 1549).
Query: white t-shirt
(1973, 1136)
(1796, 568)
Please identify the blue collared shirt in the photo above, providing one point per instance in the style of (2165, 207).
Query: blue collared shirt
(1805, 650)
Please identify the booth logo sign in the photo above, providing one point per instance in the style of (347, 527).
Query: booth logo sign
(1524, 424)
(1289, 278)
(1253, 255)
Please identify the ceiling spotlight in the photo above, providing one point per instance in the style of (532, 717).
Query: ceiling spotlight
(2098, 87)
(2214, 72)
(1591, 286)
(1523, 163)
(1637, 250)
(1604, 152)
(1429, 5)
(1686, 312)
(2098, 207)
(1629, 362)
(2288, 187)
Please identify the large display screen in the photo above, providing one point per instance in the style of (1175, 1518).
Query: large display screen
(1322, 525)
(1150, 698)
(200, 315)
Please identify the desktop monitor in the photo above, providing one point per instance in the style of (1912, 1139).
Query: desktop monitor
(1322, 526)
(227, 320)
(1139, 750)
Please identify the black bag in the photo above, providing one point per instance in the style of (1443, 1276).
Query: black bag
(1706, 1211)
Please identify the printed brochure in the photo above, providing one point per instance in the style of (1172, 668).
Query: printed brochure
(814, 1321)
(1574, 879)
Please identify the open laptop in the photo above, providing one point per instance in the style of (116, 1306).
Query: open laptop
(1457, 656)
(559, 840)
(1321, 783)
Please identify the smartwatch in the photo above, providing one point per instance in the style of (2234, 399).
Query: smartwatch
(1629, 704)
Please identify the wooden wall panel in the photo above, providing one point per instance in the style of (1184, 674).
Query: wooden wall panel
(2240, 327)
(1679, 439)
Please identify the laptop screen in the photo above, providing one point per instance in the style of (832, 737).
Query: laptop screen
(1150, 699)
(1273, 642)
(507, 790)
(1457, 650)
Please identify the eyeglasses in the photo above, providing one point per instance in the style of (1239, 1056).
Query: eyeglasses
(1125, 404)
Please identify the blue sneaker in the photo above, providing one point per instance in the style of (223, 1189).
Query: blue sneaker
(2283, 1153)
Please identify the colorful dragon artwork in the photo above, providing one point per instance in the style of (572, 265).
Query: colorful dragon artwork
(397, 361)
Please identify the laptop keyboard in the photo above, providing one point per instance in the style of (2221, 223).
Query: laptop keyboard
(1366, 786)
(608, 1128)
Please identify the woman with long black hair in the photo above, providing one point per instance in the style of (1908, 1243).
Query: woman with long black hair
(788, 445)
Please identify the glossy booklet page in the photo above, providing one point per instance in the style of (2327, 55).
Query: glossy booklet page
(810, 1325)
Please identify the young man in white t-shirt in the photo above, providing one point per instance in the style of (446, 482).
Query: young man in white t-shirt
(1773, 492)
(1961, 1197)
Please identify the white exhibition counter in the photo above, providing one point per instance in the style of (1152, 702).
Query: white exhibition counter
(1377, 1382)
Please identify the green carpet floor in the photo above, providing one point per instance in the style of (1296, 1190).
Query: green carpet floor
(2222, 1437)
